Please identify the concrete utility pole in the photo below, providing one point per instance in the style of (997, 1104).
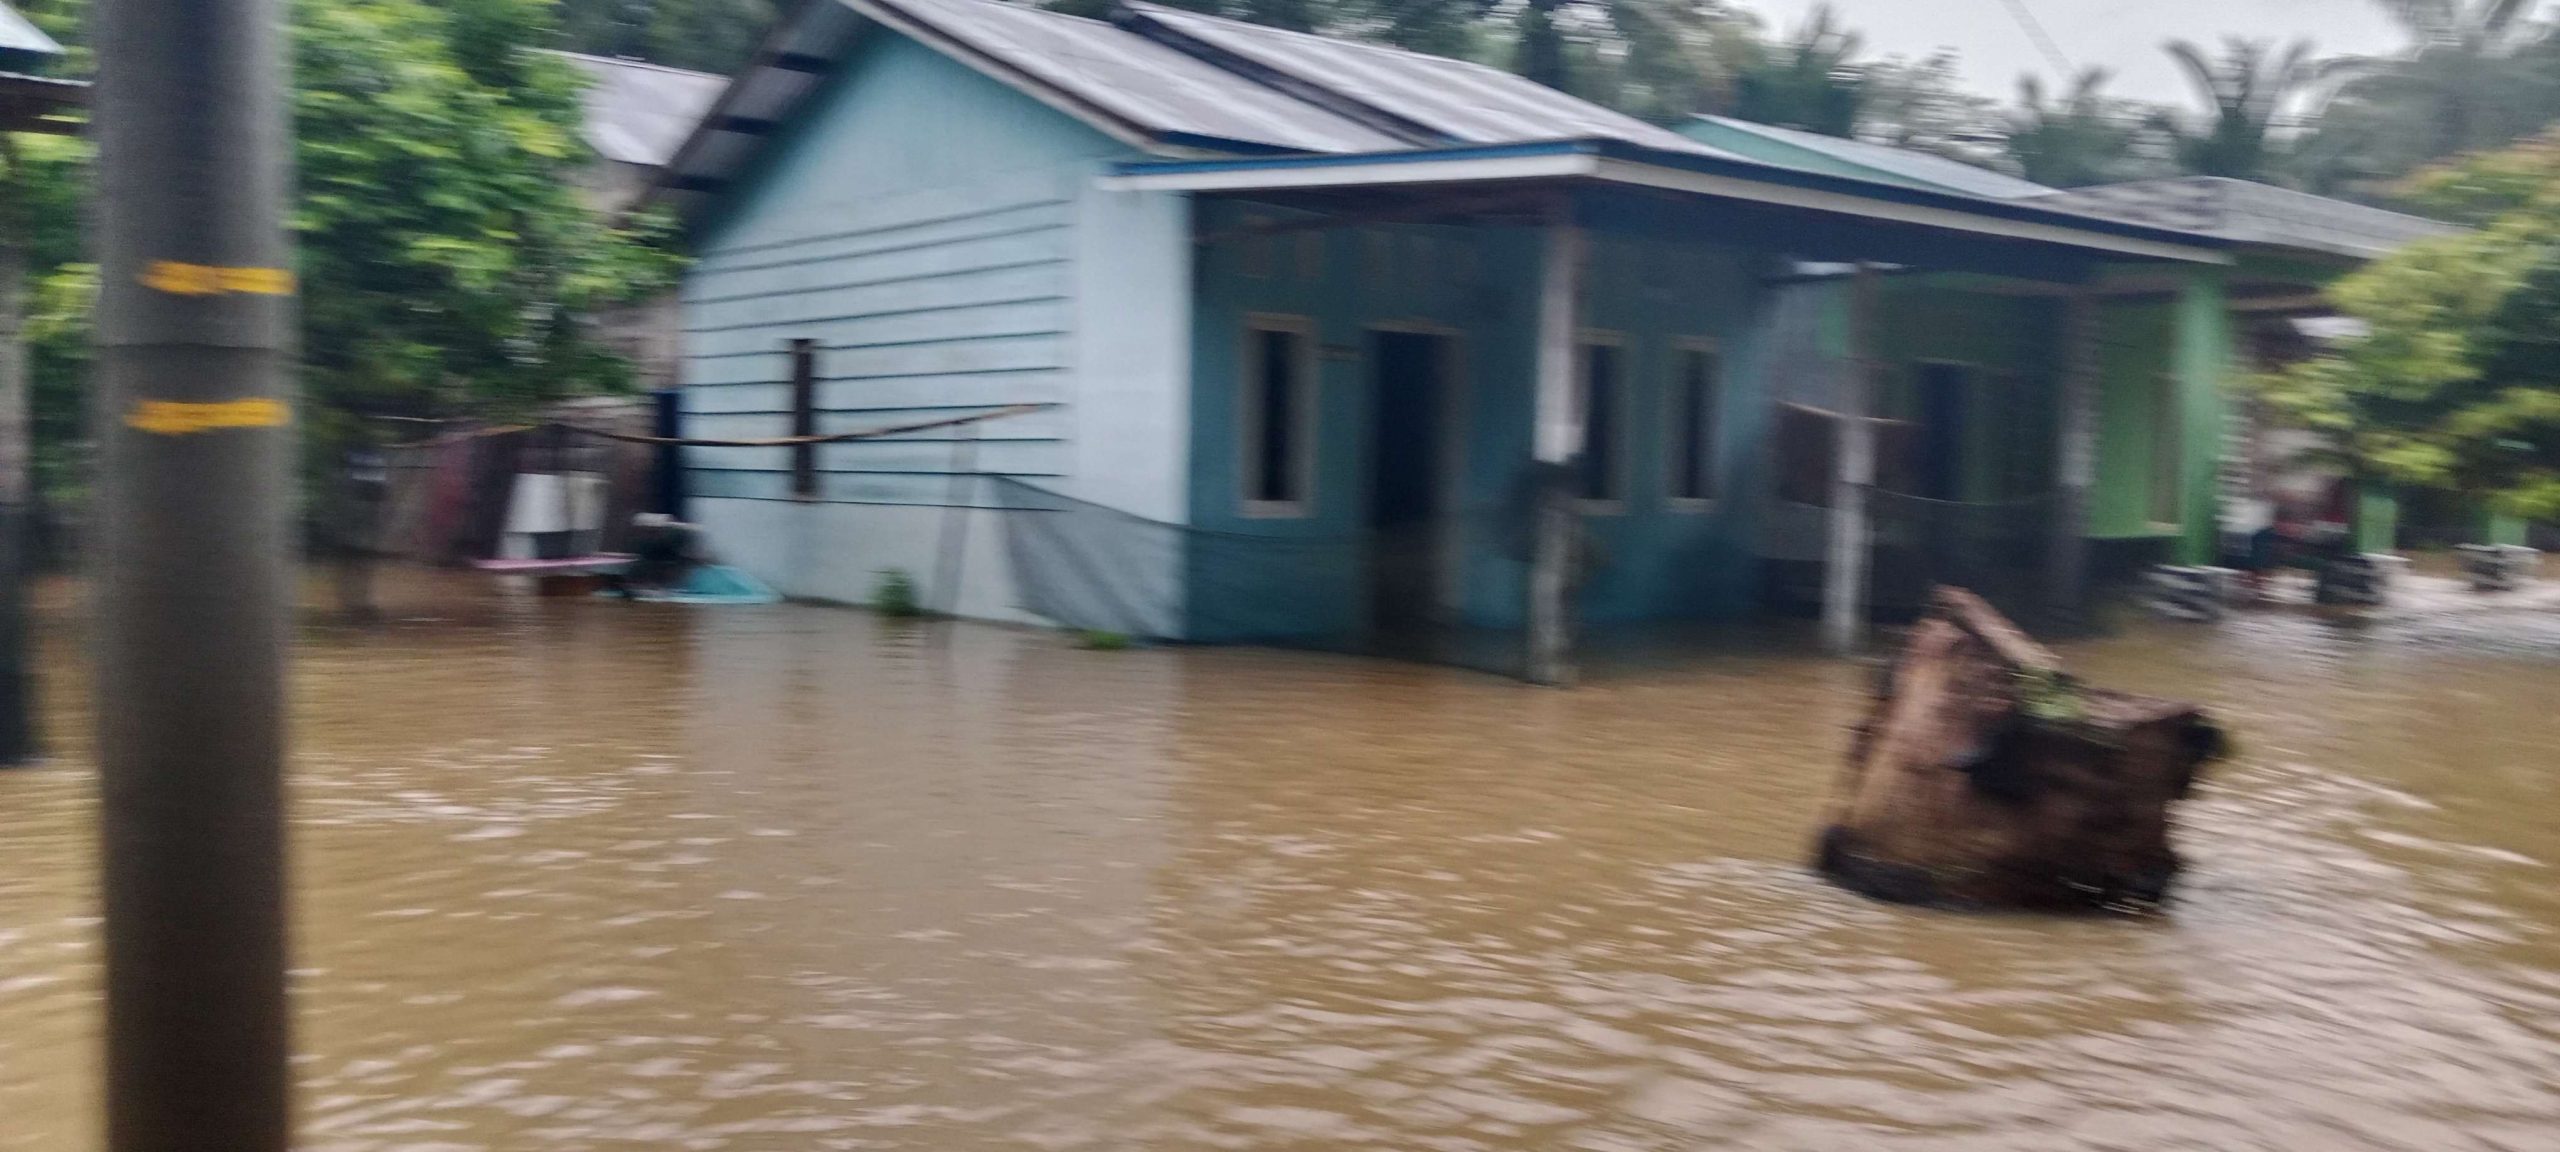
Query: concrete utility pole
(194, 324)
(17, 565)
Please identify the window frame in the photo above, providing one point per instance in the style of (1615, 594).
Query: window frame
(1673, 393)
(1307, 387)
(802, 353)
(1621, 471)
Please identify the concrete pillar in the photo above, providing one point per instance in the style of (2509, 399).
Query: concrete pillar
(1556, 438)
(2499, 528)
(1846, 554)
(2200, 362)
(2075, 459)
(2377, 526)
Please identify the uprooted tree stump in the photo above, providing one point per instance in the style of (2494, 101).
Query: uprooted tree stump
(1984, 776)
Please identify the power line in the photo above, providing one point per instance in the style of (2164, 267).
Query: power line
(2044, 40)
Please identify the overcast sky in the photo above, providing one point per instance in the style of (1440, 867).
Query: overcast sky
(2123, 35)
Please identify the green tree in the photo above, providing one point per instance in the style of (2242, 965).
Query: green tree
(2476, 74)
(703, 35)
(2455, 383)
(2081, 138)
(447, 259)
(1924, 105)
(1810, 81)
(2245, 90)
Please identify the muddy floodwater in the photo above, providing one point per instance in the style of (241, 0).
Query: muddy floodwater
(580, 875)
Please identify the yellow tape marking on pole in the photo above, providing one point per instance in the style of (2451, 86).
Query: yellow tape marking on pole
(178, 279)
(187, 417)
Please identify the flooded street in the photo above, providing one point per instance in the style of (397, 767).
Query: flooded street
(578, 875)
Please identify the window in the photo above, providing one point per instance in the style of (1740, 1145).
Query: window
(2166, 444)
(1278, 415)
(1602, 403)
(804, 417)
(1696, 389)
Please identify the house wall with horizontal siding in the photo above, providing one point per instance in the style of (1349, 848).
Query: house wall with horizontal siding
(940, 236)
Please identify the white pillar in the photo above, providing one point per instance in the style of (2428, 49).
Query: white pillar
(1844, 571)
(2075, 460)
(1554, 442)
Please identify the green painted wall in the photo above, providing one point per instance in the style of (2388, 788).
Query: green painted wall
(2133, 371)
(2202, 353)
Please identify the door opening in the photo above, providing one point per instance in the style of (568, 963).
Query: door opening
(1408, 392)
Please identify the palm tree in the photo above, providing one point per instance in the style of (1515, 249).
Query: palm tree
(2245, 89)
(1809, 82)
(2477, 74)
(2082, 138)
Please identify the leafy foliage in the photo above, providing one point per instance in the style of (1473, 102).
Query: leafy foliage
(703, 35)
(447, 257)
(2244, 89)
(2081, 138)
(2456, 383)
(2478, 74)
(1810, 81)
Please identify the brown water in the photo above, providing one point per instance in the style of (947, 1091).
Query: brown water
(582, 875)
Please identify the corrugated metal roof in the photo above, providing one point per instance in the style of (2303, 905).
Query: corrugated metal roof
(638, 112)
(1154, 88)
(2249, 213)
(1463, 102)
(1900, 165)
(18, 34)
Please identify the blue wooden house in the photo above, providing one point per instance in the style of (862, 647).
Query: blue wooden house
(1306, 315)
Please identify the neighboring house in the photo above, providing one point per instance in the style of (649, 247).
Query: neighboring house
(637, 114)
(1967, 366)
(1306, 312)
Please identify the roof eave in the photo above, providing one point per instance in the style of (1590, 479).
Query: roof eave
(1617, 163)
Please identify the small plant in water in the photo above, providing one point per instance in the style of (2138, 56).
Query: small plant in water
(895, 594)
(1103, 641)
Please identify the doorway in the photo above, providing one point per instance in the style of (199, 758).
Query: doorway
(1938, 473)
(1408, 503)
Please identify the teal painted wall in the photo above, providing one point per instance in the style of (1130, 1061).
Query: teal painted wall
(1305, 575)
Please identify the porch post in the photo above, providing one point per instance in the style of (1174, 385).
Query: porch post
(2075, 458)
(1844, 569)
(2202, 360)
(2377, 512)
(1555, 439)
